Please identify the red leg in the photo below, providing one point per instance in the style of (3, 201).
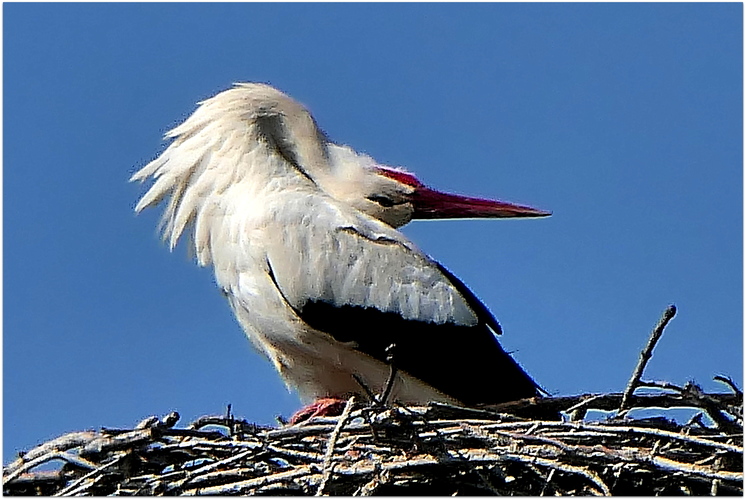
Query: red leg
(325, 407)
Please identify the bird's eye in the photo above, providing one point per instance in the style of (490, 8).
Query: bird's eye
(382, 200)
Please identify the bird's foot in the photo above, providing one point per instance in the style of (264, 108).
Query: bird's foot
(324, 407)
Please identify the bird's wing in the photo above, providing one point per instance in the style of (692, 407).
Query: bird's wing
(360, 281)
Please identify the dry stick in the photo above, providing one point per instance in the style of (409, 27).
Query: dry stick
(56, 455)
(328, 466)
(62, 443)
(119, 441)
(716, 482)
(655, 384)
(729, 382)
(368, 391)
(211, 467)
(203, 445)
(254, 483)
(696, 419)
(83, 488)
(670, 465)
(583, 405)
(297, 454)
(645, 356)
(222, 421)
(296, 432)
(224, 477)
(694, 394)
(546, 482)
(68, 490)
(384, 397)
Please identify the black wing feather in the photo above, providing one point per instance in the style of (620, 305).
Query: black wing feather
(464, 362)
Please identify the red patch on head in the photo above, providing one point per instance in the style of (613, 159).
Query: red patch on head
(399, 176)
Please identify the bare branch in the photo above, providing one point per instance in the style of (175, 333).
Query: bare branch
(646, 354)
(328, 466)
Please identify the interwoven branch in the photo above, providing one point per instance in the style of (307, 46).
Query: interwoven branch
(436, 449)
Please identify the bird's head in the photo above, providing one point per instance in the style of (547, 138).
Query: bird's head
(427, 203)
(396, 197)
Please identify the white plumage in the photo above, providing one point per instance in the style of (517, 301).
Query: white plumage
(300, 233)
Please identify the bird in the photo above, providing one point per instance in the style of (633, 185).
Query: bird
(302, 235)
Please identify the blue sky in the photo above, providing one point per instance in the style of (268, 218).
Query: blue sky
(625, 120)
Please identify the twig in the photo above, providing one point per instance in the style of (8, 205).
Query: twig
(74, 485)
(574, 410)
(57, 455)
(674, 466)
(368, 391)
(393, 370)
(94, 480)
(255, 483)
(306, 456)
(546, 482)
(716, 482)
(696, 419)
(328, 466)
(220, 476)
(129, 439)
(729, 382)
(62, 443)
(212, 467)
(655, 384)
(645, 356)
(696, 396)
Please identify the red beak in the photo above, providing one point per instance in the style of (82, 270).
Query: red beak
(431, 204)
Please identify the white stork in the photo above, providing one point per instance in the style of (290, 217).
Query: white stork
(301, 234)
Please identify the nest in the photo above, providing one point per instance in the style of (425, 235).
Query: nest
(438, 449)
(433, 450)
